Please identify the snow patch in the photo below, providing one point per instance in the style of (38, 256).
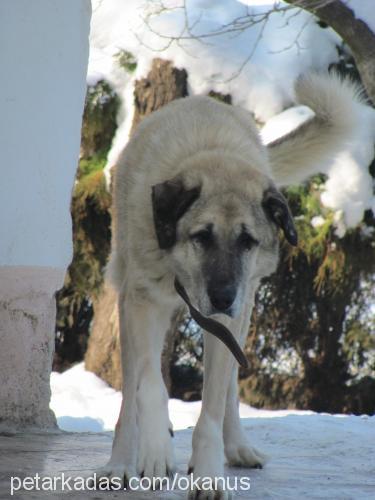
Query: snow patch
(349, 188)
(257, 66)
(317, 221)
(83, 402)
(285, 122)
(311, 455)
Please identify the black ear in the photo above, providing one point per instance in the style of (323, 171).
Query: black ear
(170, 200)
(276, 207)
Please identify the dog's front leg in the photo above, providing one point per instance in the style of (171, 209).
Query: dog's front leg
(207, 460)
(151, 321)
(142, 443)
(123, 462)
(238, 451)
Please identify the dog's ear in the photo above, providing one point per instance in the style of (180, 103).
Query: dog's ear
(276, 207)
(170, 200)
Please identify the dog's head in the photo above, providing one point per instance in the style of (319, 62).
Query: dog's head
(220, 228)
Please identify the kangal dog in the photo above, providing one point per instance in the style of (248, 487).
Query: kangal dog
(197, 209)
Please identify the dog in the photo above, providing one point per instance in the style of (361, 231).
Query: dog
(197, 203)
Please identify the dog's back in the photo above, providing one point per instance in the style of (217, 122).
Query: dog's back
(170, 136)
(157, 151)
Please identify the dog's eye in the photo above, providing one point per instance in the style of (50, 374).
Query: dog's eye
(204, 238)
(246, 241)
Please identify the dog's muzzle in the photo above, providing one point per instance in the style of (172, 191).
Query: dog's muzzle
(212, 326)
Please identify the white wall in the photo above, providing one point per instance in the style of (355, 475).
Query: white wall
(43, 58)
(43, 63)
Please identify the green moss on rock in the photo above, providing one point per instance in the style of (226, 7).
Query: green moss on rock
(90, 209)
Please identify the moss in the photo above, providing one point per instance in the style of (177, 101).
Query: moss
(319, 244)
(92, 186)
(99, 119)
(126, 60)
(90, 209)
(91, 228)
(90, 165)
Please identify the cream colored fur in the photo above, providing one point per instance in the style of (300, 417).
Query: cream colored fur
(306, 151)
(216, 147)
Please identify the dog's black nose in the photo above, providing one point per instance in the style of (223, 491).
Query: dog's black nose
(222, 298)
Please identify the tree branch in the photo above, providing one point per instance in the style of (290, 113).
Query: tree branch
(355, 32)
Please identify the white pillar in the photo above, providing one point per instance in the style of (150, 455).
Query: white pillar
(43, 60)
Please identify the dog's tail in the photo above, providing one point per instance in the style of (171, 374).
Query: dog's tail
(305, 151)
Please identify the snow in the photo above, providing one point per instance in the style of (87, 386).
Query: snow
(285, 122)
(82, 402)
(257, 66)
(279, 45)
(317, 221)
(349, 188)
(311, 455)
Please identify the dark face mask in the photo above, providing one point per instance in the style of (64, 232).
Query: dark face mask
(170, 200)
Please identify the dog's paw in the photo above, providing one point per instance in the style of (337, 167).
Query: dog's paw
(155, 458)
(114, 475)
(198, 494)
(202, 491)
(207, 470)
(244, 455)
(155, 454)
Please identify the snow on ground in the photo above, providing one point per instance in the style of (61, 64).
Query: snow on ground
(315, 456)
(257, 66)
(82, 402)
(311, 457)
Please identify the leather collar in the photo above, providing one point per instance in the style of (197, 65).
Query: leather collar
(212, 326)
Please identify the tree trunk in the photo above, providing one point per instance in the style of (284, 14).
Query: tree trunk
(103, 351)
(163, 84)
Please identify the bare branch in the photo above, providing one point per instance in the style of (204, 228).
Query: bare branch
(234, 28)
(335, 13)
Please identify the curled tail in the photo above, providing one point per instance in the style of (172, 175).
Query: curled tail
(306, 150)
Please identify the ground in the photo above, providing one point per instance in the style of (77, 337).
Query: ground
(311, 456)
